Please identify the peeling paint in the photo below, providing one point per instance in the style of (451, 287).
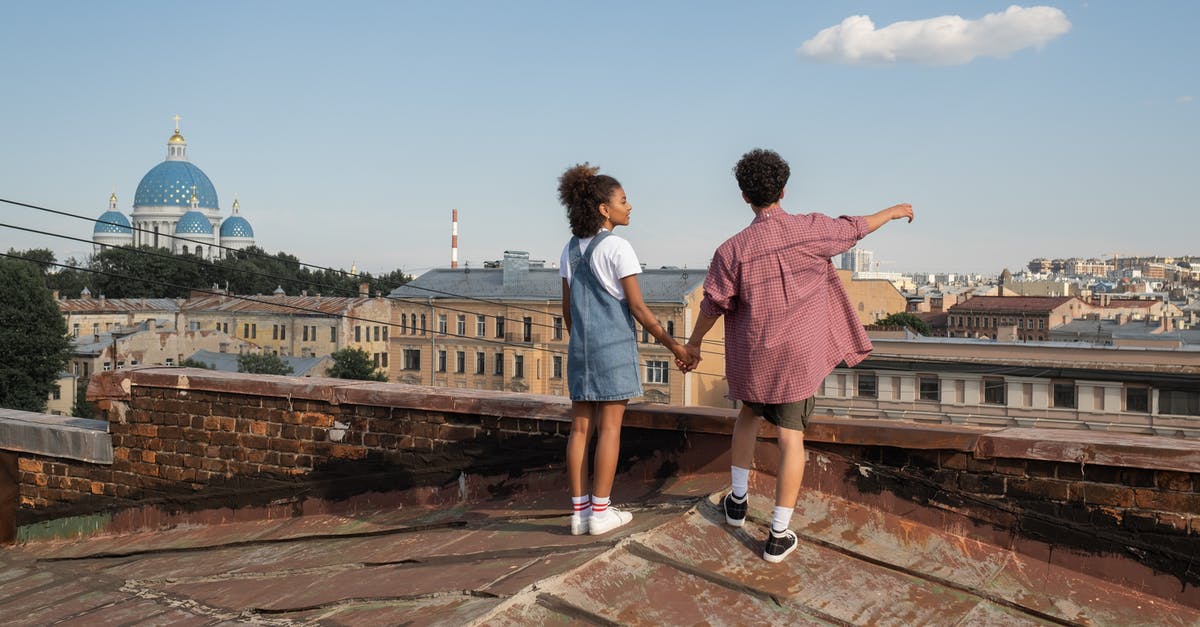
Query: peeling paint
(338, 432)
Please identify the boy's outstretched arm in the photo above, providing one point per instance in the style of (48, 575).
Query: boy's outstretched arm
(895, 212)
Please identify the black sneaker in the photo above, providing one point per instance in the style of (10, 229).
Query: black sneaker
(779, 545)
(735, 512)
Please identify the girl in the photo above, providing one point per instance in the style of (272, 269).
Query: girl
(601, 298)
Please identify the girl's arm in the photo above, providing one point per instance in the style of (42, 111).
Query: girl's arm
(641, 313)
(566, 304)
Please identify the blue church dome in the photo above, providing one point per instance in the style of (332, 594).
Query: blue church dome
(193, 223)
(171, 182)
(236, 226)
(120, 223)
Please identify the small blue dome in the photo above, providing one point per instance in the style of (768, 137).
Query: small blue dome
(171, 182)
(193, 223)
(120, 224)
(236, 226)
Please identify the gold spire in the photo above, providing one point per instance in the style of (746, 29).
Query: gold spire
(112, 200)
(176, 138)
(236, 204)
(195, 199)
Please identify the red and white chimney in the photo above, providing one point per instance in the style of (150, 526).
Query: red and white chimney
(454, 238)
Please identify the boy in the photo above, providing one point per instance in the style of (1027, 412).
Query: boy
(788, 323)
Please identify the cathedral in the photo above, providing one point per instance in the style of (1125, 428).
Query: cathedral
(176, 208)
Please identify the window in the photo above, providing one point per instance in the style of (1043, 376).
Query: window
(274, 332)
(56, 393)
(1179, 402)
(134, 362)
(194, 325)
(403, 323)
(480, 326)
(107, 366)
(383, 359)
(375, 358)
(170, 361)
(246, 329)
(558, 327)
(376, 333)
(929, 387)
(460, 361)
(304, 334)
(120, 364)
(480, 363)
(518, 366)
(499, 367)
(645, 336)
(357, 333)
(499, 326)
(75, 329)
(1064, 394)
(412, 359)
(385, 333)
(333, 334)
(461, 325)
(424, 329)
(441, 324)
(283, 331)
(527, 329)
(441, 367)
(253, 330)
(671, 328)
(868, 386)
(558, 370)
(1137, 399)
(994, 391)
(217, 326)
(656, 372)
(95, 328)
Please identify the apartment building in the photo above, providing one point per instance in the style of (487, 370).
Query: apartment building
(93, 316)
(147, 344)
(1022, 318)
(1070, 386)
(501, 328)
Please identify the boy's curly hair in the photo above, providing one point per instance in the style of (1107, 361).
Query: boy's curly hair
(761, 175)
(581, 190)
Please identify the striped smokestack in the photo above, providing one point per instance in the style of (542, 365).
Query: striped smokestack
(454, 238)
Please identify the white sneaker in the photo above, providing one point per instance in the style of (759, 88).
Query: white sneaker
(579, 524)
(606, 521)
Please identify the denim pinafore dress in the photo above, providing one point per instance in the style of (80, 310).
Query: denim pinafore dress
(602, 358)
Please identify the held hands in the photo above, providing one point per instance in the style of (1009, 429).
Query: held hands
(687, 357)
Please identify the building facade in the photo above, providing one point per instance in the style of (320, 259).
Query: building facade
(501, 328)
(1019, 318)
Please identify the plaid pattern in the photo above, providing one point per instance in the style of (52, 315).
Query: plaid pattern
(788, 320)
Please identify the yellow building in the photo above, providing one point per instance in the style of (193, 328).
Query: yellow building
(873, 299)
(501, 328)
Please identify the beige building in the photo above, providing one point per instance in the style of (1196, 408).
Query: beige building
(94, 316)
(1070, 386)
(61, 401)
(1022, 318)
(873, 299)
(147, 344)
(502, 328)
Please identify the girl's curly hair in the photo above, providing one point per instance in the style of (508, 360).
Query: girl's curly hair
(581, 190)
(761, 175)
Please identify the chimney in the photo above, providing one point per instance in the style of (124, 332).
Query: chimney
(364, 289)
(516, 267)
(454, 238)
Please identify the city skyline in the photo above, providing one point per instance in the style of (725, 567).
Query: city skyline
(350, 136)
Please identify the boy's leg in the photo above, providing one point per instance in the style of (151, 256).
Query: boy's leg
(745, 438)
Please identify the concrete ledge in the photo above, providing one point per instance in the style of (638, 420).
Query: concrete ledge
(63, 437)
(1090, 447)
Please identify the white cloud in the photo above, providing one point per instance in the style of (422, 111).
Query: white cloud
(1184, 99)
(944, 40)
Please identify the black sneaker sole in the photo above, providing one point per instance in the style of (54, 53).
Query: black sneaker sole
(776, 558)
(730, 520)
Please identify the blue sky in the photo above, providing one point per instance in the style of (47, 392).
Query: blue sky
(350, 131)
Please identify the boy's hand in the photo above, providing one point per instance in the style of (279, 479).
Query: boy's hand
(902, 210)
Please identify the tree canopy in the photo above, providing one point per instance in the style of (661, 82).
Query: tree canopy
(33, 337)
(267, 363)
(906, 319)
(354, 363)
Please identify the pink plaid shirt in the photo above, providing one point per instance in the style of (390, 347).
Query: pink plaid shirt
(788, 321)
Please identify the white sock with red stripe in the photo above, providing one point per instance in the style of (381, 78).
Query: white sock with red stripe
(582, 505)
(600, 504)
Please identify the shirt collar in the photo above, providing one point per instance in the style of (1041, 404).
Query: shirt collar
(768, 214)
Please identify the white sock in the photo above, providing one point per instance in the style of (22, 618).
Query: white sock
(782, 518)
(740, 480)
(600, 504)
(582, 505)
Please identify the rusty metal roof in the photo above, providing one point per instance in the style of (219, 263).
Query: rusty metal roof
(511, 560)
(276, 304)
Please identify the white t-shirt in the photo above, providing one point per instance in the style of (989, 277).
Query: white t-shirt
(612, 261)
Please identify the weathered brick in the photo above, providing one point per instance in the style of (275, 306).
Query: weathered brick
(1101, 494)
(149, 456)
(1051, 489)
(1011, 467)
(981, 465)
(1174, 521)
(456, 433)
(258, 427)
(253, 441)
(345, 451)
(1138, 478)
(285, 446)
(1102, 474)
(1169, 480)
(1177, 502)
(953, 460)
(314, 419)
(144, 430)
(24, 464)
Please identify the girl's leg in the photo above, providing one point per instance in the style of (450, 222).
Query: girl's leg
(582, 423)
(608, 445)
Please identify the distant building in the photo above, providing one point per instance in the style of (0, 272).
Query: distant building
(501, 328)
(301, 366)
(873, 299)
(1022, 318)
(146, 344)
(61, 401)
(858, 260)
(175, 198)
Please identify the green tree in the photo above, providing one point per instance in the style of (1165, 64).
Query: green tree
(354, 363)
(194, 363)
(82, 407)
(262, 364)
(905, 319)
(33, 338)
(165, 277)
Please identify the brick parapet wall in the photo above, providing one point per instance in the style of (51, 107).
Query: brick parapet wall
(180, 431)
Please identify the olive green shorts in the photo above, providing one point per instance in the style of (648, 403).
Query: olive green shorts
(785, 415)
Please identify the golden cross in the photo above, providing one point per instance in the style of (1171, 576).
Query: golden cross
(176, 118)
